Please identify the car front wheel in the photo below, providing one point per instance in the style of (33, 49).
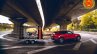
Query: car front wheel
(27, 42)
(78, 38)
(61, 40)
(32, 42)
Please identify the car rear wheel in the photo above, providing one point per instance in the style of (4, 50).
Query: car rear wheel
(78, 38)
(32, 42)
(61, 40)
(27, 42)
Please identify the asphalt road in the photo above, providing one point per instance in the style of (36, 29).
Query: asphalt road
(88, 45)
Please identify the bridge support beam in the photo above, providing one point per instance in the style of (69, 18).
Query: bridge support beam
(19, 29)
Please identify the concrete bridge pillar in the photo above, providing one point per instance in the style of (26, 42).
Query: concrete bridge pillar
(18, 27)
(62, 22)
(63, 25)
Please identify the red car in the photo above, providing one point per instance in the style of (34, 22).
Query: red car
(61, 36)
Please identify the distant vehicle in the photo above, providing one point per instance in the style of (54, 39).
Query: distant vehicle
(61, 36)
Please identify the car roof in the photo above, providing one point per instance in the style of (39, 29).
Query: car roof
(62, 31)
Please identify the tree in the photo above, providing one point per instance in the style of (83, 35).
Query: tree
(75, 23)
(70, 26)
(87, 21)
(94, 17)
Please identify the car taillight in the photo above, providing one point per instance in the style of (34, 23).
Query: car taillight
(53, 34)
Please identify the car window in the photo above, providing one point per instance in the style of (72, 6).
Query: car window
(69, 32)
(61, 32)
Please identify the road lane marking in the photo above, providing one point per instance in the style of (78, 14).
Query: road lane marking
(93, 41)
(39, 50)
(77, 46)
(5, 45)
(46, 48)
(2, 37)
(11, 47)
(14, 47)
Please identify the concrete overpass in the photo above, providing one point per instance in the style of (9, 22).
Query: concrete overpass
(55, 11)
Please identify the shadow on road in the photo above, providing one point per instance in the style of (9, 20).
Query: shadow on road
(42, 43)
(65, 42)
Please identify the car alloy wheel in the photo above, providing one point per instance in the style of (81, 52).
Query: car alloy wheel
(32, 41)
(61, 40)
(27, 41)
(78, 38)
